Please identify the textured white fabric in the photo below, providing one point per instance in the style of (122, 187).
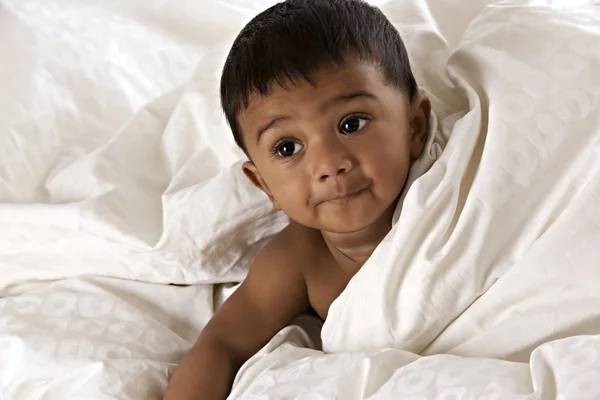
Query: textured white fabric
(91, 185)
(118, 176)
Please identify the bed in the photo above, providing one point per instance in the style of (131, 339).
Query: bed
(125, 219)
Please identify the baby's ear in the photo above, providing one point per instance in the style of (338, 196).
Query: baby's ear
(253, 174)
(420, 110)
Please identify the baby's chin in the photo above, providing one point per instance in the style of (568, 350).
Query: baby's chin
(352, 220)
(350, 223)
(331, 224)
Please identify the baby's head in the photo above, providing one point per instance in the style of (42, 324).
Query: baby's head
(321, 97)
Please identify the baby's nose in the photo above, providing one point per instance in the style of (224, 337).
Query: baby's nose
(332, 161)
(330, 172)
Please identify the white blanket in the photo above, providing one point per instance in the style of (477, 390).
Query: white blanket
(115, 181)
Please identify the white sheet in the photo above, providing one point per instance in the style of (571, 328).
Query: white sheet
(114, 182)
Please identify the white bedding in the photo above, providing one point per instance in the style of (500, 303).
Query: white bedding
(115, 181)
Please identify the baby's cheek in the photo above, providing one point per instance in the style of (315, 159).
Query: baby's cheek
(290, 195)
(394, 176)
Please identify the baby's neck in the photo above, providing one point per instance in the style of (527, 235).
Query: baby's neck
(351, 250)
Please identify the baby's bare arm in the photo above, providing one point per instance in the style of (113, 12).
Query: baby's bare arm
(271, 296)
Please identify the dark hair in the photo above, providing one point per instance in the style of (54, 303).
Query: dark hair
(290, 40)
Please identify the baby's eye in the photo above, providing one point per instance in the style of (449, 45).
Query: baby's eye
(352, 125)
(288, 149)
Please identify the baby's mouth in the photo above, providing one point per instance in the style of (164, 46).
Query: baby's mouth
(345, 196)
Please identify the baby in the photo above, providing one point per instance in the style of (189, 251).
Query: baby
(321, 97)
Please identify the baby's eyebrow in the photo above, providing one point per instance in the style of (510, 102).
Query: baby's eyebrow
(270, 124)
(346, 97)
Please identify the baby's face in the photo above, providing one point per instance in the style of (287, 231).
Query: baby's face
(333, 155)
